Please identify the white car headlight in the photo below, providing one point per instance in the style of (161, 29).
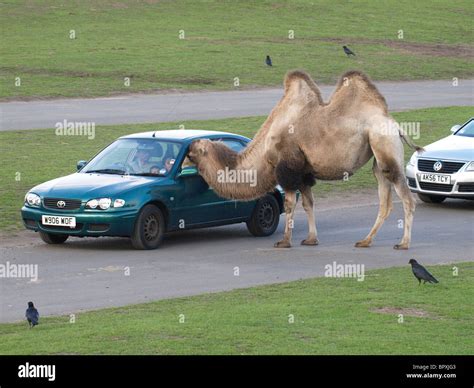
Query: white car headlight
(470, 167)
(92, 204)
(413, 159)
(32, 199)
(104, 203)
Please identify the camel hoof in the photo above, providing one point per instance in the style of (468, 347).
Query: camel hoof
(400, 246)
(282, 244)
(362, 244)
(313, 241)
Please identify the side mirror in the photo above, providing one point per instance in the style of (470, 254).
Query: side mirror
(80, 164)
(454, 128)
(188, 171)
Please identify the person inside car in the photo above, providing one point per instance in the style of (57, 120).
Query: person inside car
(169, 164)
(156, 170)
(140, 162)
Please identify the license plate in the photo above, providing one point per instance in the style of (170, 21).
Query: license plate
(59, 221)
(435, 178)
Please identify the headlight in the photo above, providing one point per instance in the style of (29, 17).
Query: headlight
(470, 167)
(412, 161)
(92, 204)
(32, 199)
(104, 203)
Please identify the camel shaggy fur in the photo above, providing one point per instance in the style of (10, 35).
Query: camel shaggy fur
(305, 138)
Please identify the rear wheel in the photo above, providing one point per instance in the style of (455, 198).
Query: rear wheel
(53, 238)
(265, 217)
(149, 228)
(431, 198)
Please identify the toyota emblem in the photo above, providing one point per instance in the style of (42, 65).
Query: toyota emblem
(437, 166)
(61, 204)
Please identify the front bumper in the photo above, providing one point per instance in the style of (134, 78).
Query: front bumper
(97, 223)
(462, 184)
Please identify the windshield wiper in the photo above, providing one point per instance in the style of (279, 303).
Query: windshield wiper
(148, 174)
(107, 171)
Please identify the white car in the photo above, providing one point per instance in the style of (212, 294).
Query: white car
(446, 168)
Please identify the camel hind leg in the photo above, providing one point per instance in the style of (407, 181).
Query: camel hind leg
(385, 205)
(409, 204)
(388, 152)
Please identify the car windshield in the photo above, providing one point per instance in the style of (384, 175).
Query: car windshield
(145, 157)
(467, 130)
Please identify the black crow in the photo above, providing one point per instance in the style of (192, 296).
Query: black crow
(268, 61)
(348, 51)
(421, 273)
(32, 315)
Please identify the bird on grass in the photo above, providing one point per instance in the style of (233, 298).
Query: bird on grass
(348, 51)
(32, 315)
(421, 273)
(268, 61)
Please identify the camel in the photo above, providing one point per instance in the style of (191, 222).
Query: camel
(305, 139)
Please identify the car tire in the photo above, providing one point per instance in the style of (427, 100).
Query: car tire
(149, 228)
(431, 198)
(265, 217)
(53, 238)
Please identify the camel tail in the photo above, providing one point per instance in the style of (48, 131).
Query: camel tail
(409, 143)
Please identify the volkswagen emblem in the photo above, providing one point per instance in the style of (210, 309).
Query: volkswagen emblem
(61, 204)
(437, 166)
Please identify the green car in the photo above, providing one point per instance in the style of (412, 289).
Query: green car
(137, 187)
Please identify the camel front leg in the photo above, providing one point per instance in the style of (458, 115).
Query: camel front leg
(308, 203)
(290, 204)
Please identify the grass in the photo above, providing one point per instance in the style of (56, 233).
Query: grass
(331, 316)
(34, 156)
(223, 40)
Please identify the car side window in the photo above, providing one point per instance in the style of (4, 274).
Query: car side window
(233, 144)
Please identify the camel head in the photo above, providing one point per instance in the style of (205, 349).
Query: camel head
(199, 149)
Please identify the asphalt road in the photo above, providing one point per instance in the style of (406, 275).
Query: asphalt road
(151, 108)
(86, 274)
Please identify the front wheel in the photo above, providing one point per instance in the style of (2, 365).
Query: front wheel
(431, 198)
(53, 238)
(265, 217)
(149, 228)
